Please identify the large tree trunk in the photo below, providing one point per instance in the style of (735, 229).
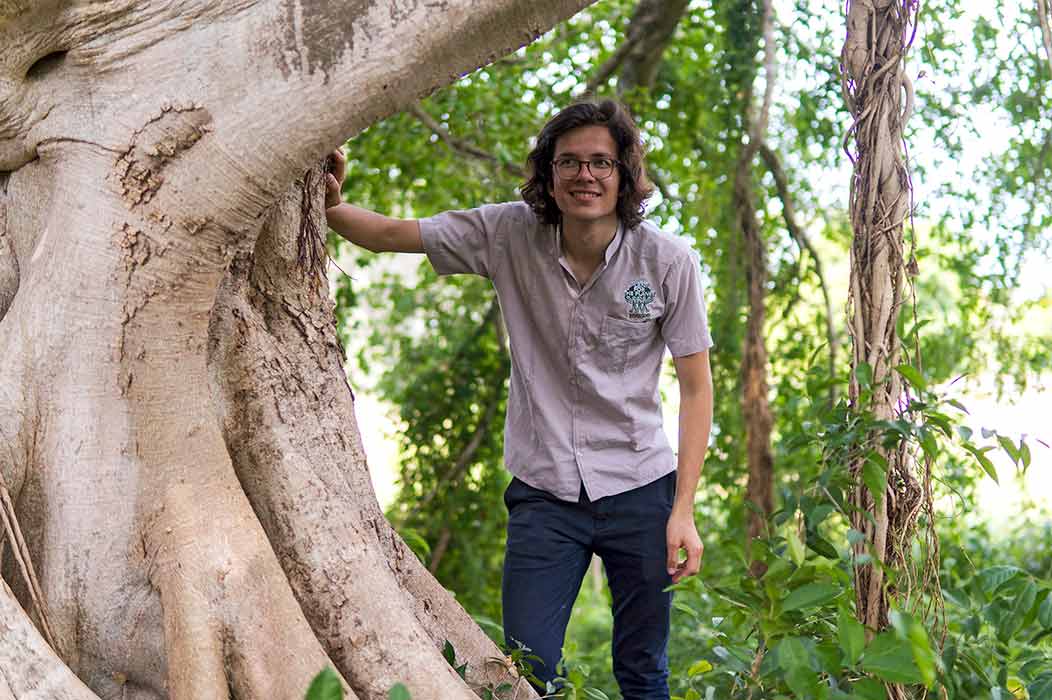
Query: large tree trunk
(756, 405)
(879, 96)
(179, 437)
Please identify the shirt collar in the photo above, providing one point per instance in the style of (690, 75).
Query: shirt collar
(611, 248)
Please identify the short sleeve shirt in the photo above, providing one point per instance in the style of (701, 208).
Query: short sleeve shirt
(583, 404)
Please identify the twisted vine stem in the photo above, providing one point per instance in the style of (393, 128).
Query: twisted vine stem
(879, 95)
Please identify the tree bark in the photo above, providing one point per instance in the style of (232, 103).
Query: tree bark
(179, 436)
(756, 408)
(879, 96)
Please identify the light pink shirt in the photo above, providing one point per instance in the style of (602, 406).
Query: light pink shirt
(583, 405)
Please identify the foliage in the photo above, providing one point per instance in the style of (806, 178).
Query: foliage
(325, 686)
(793, 632)
(439, 358)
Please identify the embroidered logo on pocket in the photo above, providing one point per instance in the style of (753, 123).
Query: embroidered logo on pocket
(639, 296)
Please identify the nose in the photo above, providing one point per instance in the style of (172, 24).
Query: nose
(585, 173)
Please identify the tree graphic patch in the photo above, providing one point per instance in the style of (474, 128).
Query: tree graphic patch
(639, 296)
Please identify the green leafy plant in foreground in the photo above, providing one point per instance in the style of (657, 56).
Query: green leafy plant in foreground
(792, 633)
(325, 686)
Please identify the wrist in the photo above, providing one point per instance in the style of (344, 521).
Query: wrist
(682, 510)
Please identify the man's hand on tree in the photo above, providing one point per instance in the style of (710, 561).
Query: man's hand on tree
(682, 534)
(336, 165)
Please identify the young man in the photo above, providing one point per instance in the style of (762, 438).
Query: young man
(591, 295)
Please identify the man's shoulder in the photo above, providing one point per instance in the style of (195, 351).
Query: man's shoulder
(653, 243)
(512, 213)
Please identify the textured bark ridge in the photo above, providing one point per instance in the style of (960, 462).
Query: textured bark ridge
(880, 97)
(178, 434)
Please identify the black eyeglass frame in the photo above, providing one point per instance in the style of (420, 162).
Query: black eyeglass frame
(585, 163)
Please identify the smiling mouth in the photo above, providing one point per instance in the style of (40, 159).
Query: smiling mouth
(585, 195)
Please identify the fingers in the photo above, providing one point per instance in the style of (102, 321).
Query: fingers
(672, 560)
(339, 165)
(693, 564)
(681, 569)
(332, 185)
(333, 196)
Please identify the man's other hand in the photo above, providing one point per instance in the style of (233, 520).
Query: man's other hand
(682, 534)
(337, 170)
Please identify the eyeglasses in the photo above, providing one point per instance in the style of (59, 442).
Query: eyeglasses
(600, 168)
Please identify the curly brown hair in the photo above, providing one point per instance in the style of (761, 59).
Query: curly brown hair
(634, 188)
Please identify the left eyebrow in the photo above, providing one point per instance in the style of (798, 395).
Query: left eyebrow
(573, 154)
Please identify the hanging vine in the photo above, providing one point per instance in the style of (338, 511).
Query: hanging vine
(879, 95)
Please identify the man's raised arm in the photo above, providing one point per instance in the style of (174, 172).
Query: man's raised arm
(362, 227)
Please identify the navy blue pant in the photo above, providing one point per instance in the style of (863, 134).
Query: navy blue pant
(550, 544)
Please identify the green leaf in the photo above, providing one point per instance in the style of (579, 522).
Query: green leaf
(1041, 687)
(864, 375)
(1044, 613)
(869, 689)
(852, 636)
(912, 376)
(928, 443)
(803, 681)
(913, 632)
(821, 546)
(325, 686)
(399, 692)
(698, 668)
(1008, 446)
(994, 577)
(792, 653)
(875, 479)
(596, 694)
(449, 653)
(796, 548)
(1016, 616)
(891, 659)
(810, 595)
(984, 461)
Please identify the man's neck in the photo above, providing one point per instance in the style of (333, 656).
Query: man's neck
(586, 241)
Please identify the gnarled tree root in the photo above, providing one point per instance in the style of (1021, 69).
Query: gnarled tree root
(288, 420)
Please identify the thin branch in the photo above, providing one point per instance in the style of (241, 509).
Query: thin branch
(770, 66)
(650, 29)
(781, 183)
(659, 182)
(1046, 32)
(25, 563)
(609, 66)
(466, 455)
(440, 549)
(460, 145)
(464, 459)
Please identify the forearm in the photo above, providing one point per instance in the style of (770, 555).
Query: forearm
(373, 231)
(695, 424)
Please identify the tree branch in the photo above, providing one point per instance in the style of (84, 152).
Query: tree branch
(649, 32)
(1046, 32)
(481, 430)
(759, 125)
(460, 145)
(608, 68)
(781, 183)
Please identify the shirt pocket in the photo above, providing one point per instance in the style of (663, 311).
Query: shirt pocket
(619, 338)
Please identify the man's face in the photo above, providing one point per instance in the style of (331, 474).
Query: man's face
(583, 197)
